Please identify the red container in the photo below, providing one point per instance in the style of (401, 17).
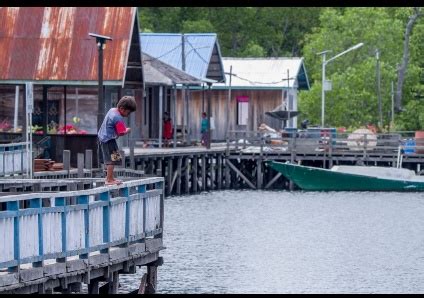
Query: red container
(419, 141)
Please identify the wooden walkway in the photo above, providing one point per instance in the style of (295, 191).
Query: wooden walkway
(57, 239)
(241, 162)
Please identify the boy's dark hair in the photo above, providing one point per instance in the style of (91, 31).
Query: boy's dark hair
(127, 103)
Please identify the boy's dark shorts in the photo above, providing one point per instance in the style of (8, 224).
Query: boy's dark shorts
(110, 153)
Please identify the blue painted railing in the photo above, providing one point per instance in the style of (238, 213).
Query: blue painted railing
(13, 159)
(40, 226)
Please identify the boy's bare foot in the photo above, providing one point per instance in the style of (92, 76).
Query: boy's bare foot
(113, 182)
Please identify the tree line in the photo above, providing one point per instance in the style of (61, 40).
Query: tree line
(366, 86)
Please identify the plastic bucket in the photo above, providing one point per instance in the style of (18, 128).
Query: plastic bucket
(409, 146)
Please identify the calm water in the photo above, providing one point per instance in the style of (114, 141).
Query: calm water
(291, 242)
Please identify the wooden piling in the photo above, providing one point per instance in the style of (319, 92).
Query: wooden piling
(219, 165)
(152, 272)
(227, 174)
(204, 172)
(211, 172)
(179, 164)
(170, 175)
(93, 287)
(259, 173)
(194, 177)
(113, 283)
(186, 175)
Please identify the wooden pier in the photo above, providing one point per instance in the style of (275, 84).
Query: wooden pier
(54, 238)
(241, 162)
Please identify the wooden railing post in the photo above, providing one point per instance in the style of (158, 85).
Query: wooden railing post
(159, 185)
(80, 164)
(83, 200)
(60, 201)
(141, 189)
(67, 161)
(89, 160)
(36, 203)
(126, 193)
(14, 206)
(105, 196)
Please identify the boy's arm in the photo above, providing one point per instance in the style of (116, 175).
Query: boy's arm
(121, 129)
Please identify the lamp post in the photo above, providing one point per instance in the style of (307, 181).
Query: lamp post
(324, 63)
(228, 102)
(380, 112)
(101, 44)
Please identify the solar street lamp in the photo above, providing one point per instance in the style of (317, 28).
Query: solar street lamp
(101, 44)
(326, 84)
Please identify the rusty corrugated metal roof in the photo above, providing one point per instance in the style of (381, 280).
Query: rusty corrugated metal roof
(47, 44)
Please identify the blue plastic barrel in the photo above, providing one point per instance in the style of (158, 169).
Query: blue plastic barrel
(409, 146)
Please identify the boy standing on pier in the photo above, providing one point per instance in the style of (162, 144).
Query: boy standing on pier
(113, 127)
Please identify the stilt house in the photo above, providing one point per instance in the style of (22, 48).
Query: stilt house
(51, 48)
(197, 54)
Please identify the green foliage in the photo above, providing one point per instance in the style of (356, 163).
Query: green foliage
(253, 50)
(200, 26)
(353, 99)
(305, 31)
(412, 118)
(279, 31)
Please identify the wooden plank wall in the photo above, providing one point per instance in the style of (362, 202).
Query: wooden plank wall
(260, 102)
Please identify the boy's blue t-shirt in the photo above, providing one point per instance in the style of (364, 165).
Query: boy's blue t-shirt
(107, 130)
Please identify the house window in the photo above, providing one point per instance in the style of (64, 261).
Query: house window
(242, 109)
(52, 112)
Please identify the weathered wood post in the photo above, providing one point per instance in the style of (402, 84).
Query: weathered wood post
(179, 166)
(113, 283)
(170, 174)
(211, 171)
(259, 163)
(132, 161)
(203, 172)
(89, 161)
(186, 175)
(67, 161)
(152, 277)
(194, 177)
(219, 179)
(292, 155)
(80, 165)
(227, 168)
(122, 153)
(93, 287)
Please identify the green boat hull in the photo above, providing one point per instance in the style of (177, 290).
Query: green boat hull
(317, 179)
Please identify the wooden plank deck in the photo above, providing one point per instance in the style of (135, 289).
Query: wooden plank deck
(56, 240)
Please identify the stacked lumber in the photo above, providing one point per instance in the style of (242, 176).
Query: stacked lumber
(46, 165)
(57, 166)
